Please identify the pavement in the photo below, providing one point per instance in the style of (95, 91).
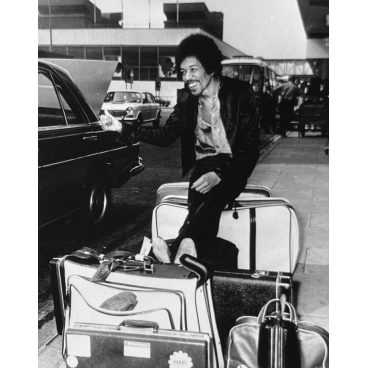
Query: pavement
(296, 169)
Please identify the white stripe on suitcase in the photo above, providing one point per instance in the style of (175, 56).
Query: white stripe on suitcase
(164, 307)
(181, 189)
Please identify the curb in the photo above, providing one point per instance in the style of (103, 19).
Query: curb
(269, 147)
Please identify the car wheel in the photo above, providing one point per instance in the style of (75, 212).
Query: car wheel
(140, 120)
(156, 123)
(98, 201)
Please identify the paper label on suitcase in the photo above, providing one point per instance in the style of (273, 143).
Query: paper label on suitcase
(137, 349)
(79, 345)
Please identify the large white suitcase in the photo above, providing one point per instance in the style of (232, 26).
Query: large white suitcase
(265, 230)
(181, 189)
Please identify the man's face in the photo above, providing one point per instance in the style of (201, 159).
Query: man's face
(194, 75)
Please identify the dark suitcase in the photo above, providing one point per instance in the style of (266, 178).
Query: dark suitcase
(242, 292)
(137, 344)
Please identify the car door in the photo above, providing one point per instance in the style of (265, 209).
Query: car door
(145, 107)
(152, 106)
(66, 148)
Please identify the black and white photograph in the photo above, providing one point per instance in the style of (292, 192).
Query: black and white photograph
(183, 183)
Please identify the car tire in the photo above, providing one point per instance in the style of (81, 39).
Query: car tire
(156, 123)
(140, 120)
(97, 201)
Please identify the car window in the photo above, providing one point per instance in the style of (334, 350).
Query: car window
(123, 97)
(50, 111)
(150, 98)
(136, 97)
(273, 79)
(144, 96)
(249, 73)
(70, 116)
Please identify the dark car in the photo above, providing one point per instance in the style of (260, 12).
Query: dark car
(162, 102)
(78, 162)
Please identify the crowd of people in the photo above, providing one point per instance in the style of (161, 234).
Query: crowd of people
(289, 98)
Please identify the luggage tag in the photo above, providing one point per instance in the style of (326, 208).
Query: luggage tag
(104, 270)
(142, 260)
(146, 247)
(143, 255)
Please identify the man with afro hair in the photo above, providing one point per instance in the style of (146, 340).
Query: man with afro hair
(216, 120)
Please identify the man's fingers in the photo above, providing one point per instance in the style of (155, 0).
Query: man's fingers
(197, 183)
(107, 113)
(201, 187)
(205, 183)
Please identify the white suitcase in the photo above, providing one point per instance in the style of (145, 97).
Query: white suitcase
(265, 231)
(170, 296)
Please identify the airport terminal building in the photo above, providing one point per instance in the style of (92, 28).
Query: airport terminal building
(78, 29)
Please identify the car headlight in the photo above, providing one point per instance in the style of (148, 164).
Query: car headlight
(130, 111)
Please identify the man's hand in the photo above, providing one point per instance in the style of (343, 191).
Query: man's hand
(206, 182)
(108, 122)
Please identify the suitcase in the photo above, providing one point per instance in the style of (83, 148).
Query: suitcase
(136, 344)
(265, 230)
(176, 297)
(181, 189)
(243, 292)
(255, 342)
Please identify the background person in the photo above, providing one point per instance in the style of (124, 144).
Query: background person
(217, 122)
(289, 93)
(268, 106)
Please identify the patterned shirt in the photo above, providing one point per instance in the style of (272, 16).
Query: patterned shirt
(211, 136)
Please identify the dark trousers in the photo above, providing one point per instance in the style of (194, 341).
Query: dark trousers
(286, 108)
(204, 210)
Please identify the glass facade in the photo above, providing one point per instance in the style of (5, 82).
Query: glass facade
(112, 53)
(94, 53)
(77, 52)
(60, 50)
(148, 62)
(130, 56)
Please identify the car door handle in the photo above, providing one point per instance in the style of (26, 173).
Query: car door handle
(92, 138)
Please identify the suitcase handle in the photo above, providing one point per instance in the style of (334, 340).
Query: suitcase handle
(139, 324)
(192, 264)
(292, 316)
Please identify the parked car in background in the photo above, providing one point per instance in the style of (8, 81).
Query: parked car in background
(78, 162)
(133, 105)
(162, 102)
(252, 70)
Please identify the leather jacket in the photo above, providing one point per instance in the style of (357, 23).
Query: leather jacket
(238, 109)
